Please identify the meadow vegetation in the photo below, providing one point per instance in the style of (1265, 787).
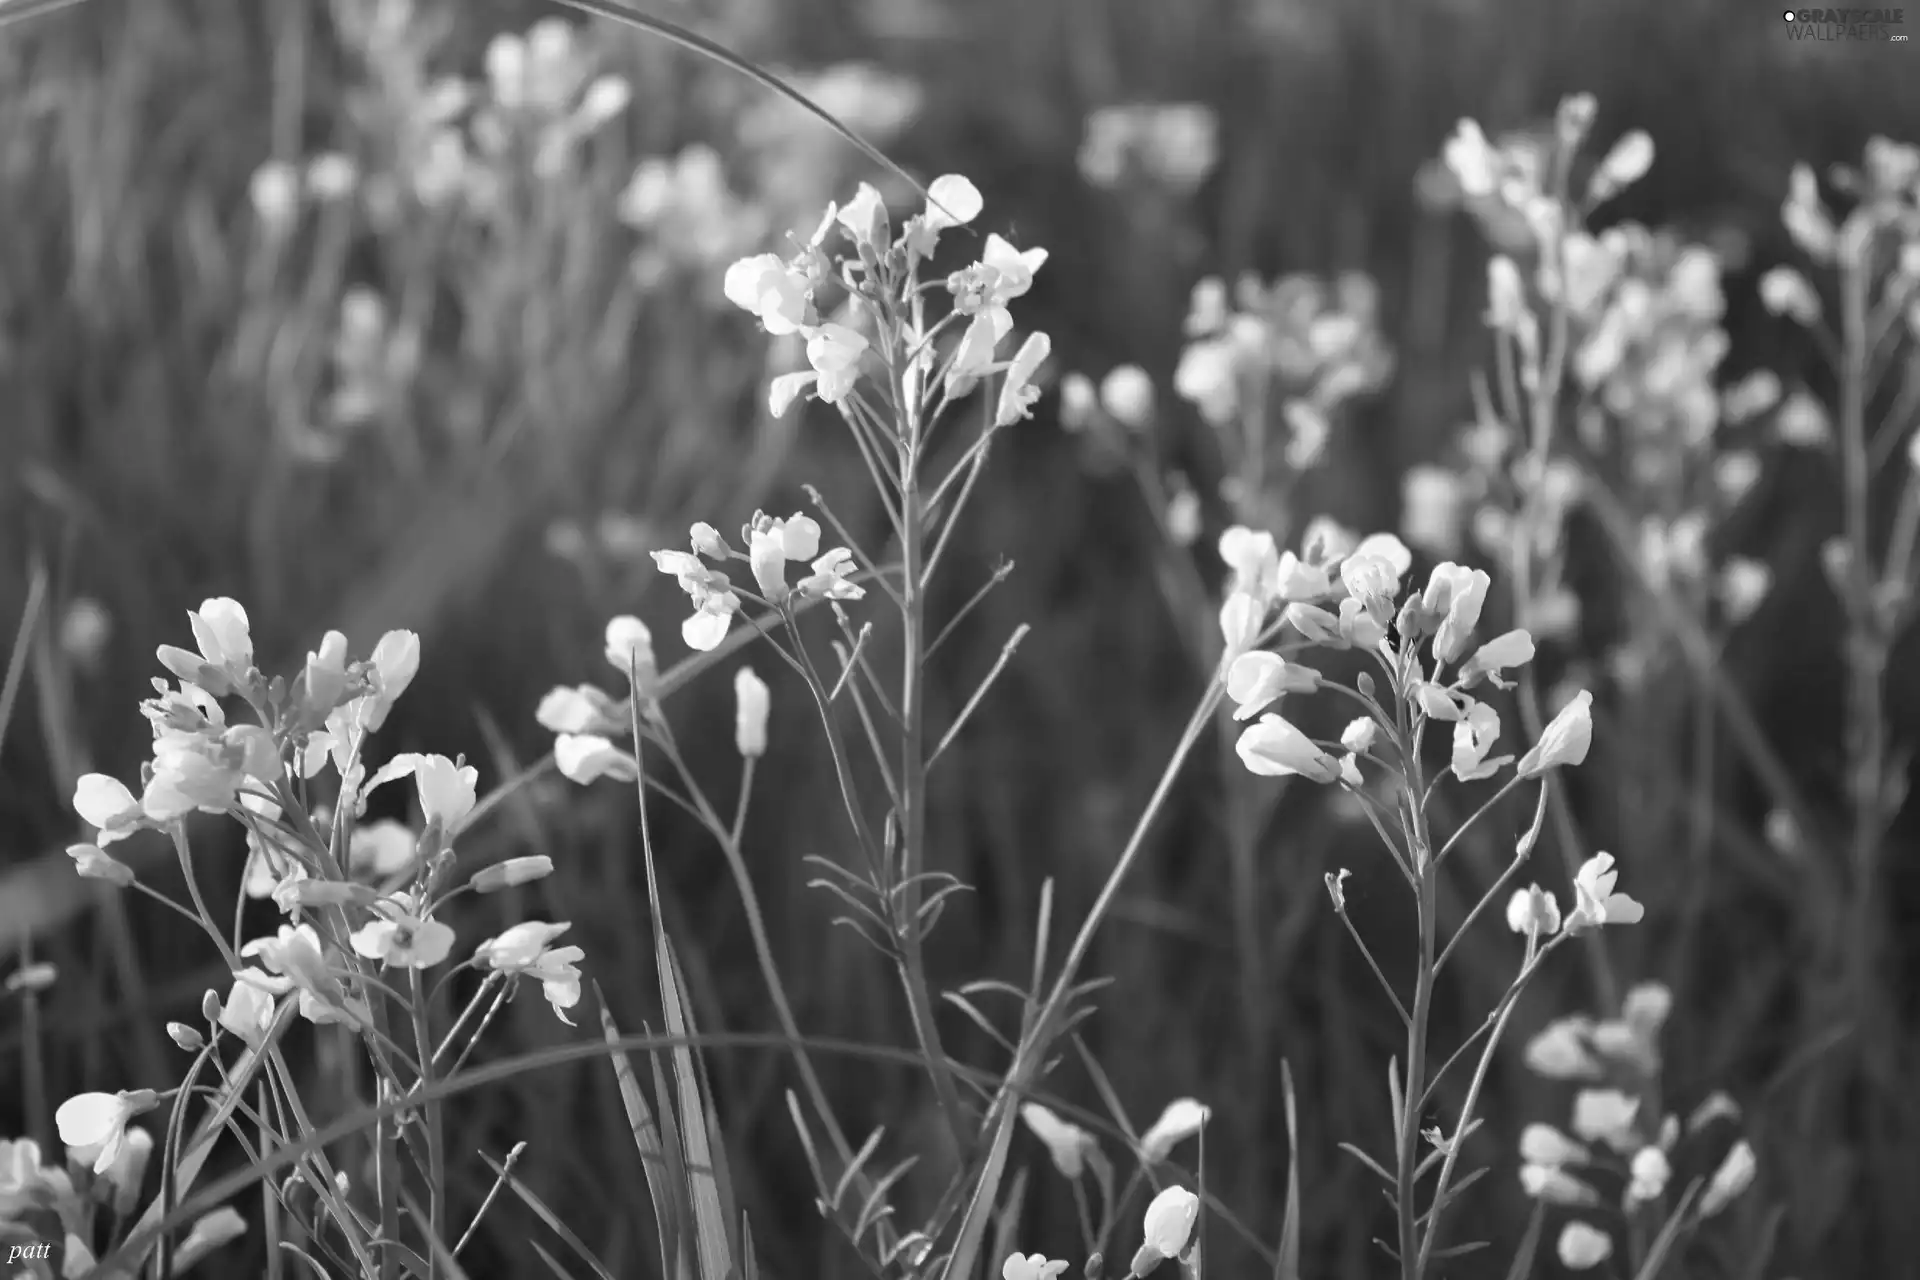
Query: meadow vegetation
(918, 639)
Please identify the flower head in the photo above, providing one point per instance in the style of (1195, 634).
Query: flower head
(1183, 1118)
(1067, 1143)
(1605, 1115)
(1168, 1228)
(525, 950)
(1274, 748)
(1561, 1051)
(398, 937)
(1597, 903)
(829, 577)
(1017, 392)
(585, 758)
(1033, 1266)
(107, 805)
(1255, 679)
(1534, 912)
(94, 1125)
(296, 961)
(226, 648)
(629, 650)
(1564, 741)
(1583, 1246)
(1473, 736)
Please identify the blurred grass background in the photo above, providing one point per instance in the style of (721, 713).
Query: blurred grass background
(393, 413)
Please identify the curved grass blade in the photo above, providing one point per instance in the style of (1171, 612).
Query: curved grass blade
(1286, 1266)
(690, 39)
(12, 11)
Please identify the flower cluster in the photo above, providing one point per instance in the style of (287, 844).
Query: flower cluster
(1346, 594)
(1618, 1137)
(99, 1189)
(1642, 314)
(1171, 145)
(690, 218)
(361, 898)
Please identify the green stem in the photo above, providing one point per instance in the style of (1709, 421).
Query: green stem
(913, 767)
(436, 1140)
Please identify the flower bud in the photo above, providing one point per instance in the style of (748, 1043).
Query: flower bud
(188, 1038)
(752, 703)
(513, 871)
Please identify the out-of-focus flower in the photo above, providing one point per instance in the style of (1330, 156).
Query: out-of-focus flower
(1583, 1246)
(629, 650)
(1555, 1185)
(1648, 1174)
(1432, 509)
(1785, 292)
(1545, 1145)
(514, 871)
(585, 758)
(1744, 583)
(526, 950)
(1182, 1119)
(381, 849)
(1067, 1143)
(1560, 1052)
(85, 627)
(1174, 145)
(1734, 1176)
(1605, 1115)
(209, 1232)
(1126, 393)
(1623, 166)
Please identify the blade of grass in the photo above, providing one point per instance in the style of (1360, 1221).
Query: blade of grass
(1287, 1265)
(646, 1140)
(546, 1216)
(690, 39)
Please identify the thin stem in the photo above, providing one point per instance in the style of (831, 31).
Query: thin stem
(915, 569)
(1492, 892)
(1427, 869)
(1406, 1019)
(1507, 1002)
(436, 1137)
(1033, 1049)
(740, 807)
